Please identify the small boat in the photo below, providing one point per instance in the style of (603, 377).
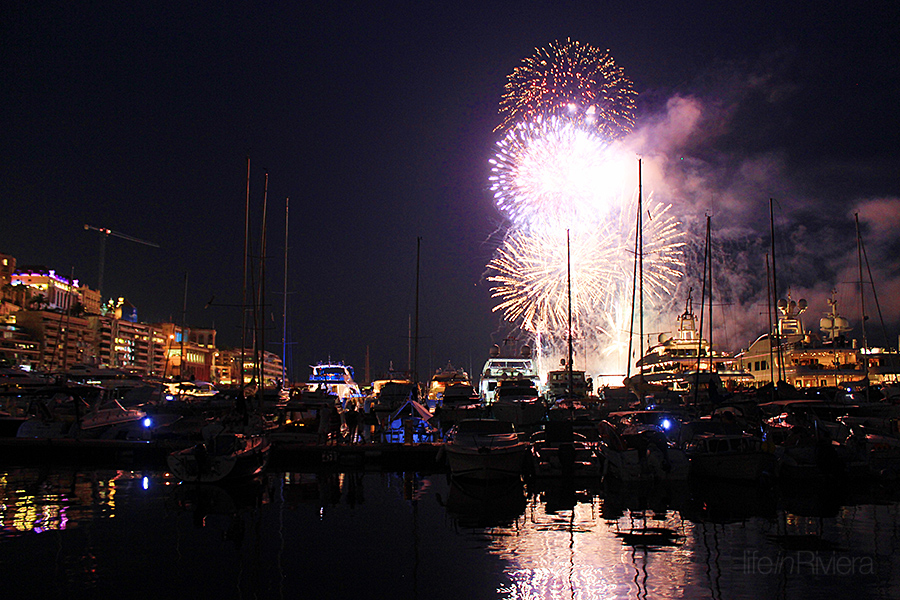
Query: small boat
(558, 385)
(560, 451)
(84, 412)
(441, 380)
(392, 394)
(809, 439)
(518, 402)
(460, 401)
(222, 456)
(337, 379)
(641, 453)
(485, 449)
(409, 424)
(733, 455)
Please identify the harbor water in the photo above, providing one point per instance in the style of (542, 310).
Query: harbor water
(366, 534)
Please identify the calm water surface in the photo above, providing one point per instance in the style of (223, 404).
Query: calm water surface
(103, 534)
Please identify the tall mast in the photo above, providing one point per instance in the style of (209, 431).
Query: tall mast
(244, 284)
(416, 341)
(631, 321)
(183, 327)
(706, 270)
(865, 257)
(569, 280)
(640, 225)
(771, 327)
(776, 338)
(709, 253)
(284, 302)
(862, 299)
(261, 304)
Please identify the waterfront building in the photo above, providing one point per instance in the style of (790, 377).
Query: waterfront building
(50, 323)
(228, 367)
(7, 268)
(63, 340)
(54, 292)
(17, 348)
(136, 347)
(189, 353)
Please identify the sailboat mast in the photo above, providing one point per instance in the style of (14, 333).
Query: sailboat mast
(865, 257)
(862, 299)
(261, 303)
(776, 339)
(416, 341)
(631, 321)
(284, 301)
(569, 283)
(244, 284)
(709, 254)
(771, 327)
(706, 270)
(640, 225)
(183, 330)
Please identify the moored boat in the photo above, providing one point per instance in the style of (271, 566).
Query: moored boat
(558, 450)
(441, 380)
(222, 456)
(518, 401)
(640, 453)
(460, 401)
(485, 449)
(502, 366)
(335, 378)
(734, 456)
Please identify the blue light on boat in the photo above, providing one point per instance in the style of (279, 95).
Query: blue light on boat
(147, 422)
(145, 482)
(666, 424)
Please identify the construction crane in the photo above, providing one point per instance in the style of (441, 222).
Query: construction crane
(105, 234)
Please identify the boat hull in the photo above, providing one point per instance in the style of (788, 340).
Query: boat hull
(519, 413)
(198, 464)
(636, 465)
(486, 462)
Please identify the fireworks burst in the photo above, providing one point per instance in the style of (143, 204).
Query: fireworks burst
(551, 171)
(530, 277)
(574, 80)
(561, 167)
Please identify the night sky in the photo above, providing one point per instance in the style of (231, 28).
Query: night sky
(377, 121)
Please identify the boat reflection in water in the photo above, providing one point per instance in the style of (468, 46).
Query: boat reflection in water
(78, 534)
(480, 503)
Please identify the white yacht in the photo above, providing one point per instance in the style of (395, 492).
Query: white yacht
(499, 367)
(807, 359)
(335, 379)
(684, 358)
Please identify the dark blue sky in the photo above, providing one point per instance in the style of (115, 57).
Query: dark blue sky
(377, 120)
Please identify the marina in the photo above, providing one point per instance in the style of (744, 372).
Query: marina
(459, 301)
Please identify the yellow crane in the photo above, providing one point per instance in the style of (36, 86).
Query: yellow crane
(105, 233)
